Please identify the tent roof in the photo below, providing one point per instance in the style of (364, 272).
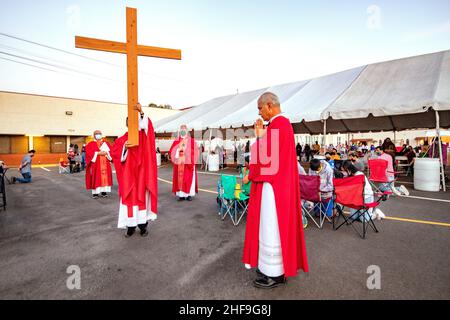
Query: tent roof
(404, 86)
(392, 95)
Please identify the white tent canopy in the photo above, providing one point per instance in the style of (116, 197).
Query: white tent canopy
(397, 87)
(392, 95)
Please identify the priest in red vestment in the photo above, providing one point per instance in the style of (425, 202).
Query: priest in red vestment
(274, 240)
(137, 177)
(98, 169)
(184, 156)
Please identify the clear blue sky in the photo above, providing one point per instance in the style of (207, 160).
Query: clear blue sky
(227, 45)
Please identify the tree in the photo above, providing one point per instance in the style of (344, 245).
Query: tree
(162, 106)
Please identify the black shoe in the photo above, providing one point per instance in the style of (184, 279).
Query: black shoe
(143, 228)
(189, 198)
(269, 282)
(259, 274)
(104, 195)
(95, 196)
(130, 232)
(181, 199)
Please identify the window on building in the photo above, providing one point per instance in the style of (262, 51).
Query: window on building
(78, 141)
(58, 144)
(13, 144)
(5, 144)
(41, 144)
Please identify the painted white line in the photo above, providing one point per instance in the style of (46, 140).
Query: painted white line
(45, 169)
(412, 183)
(424, 198)
(204, 190)
(217, 174)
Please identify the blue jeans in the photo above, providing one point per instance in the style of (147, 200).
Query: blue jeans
(26, 178)
(325, 206)
(83, 161)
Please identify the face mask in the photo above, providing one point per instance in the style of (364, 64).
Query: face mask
(98, 136)
(182, 133)
(378, 153)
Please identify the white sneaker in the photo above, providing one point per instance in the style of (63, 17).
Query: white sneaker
(404, 190)
(395, 191)
(379, 214)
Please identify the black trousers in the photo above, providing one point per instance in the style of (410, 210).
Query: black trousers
(141, 227)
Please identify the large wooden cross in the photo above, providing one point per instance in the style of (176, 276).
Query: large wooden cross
(132, 50)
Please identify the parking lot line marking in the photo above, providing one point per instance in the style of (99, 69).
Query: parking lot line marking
(45, 169)
(407, 182)
(424, 198)
(442, 224)
(204, 190)
(419, 221)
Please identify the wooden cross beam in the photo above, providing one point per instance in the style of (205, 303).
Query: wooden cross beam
(132, 50)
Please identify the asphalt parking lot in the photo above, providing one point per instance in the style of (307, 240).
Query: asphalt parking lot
(52, 224)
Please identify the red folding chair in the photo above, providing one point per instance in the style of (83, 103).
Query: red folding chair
(349, 192)
(377, 174)
(310, 191)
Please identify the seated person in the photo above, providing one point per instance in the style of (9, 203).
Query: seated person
(353, 157)
(390, 174)
(301, 171)
(77, 166)
(63, 166)
(3, 166)
(322, 169)
(245, 173)
(352, 171)
(411, 155)
(335, 155)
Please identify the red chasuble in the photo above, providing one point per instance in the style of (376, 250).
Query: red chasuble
(183, 168)
(98, 173)
(137, 174)
(286, 189)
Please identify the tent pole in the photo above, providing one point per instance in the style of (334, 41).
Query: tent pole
(325, 133)
(438, 132)
(209, 151)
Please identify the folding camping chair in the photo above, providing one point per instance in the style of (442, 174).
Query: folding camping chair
(310, 191)
(349, 192)
(377, 174)
(231, 201)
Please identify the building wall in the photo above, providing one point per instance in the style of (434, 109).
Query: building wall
(32, 121)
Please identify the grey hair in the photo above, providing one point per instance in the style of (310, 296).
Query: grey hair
(269, 97)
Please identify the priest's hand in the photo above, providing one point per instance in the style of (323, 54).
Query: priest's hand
(259, 128)
(138, 108)
(129, 145)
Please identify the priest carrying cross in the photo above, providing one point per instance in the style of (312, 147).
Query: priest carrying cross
(134, 153)
(137, 178)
